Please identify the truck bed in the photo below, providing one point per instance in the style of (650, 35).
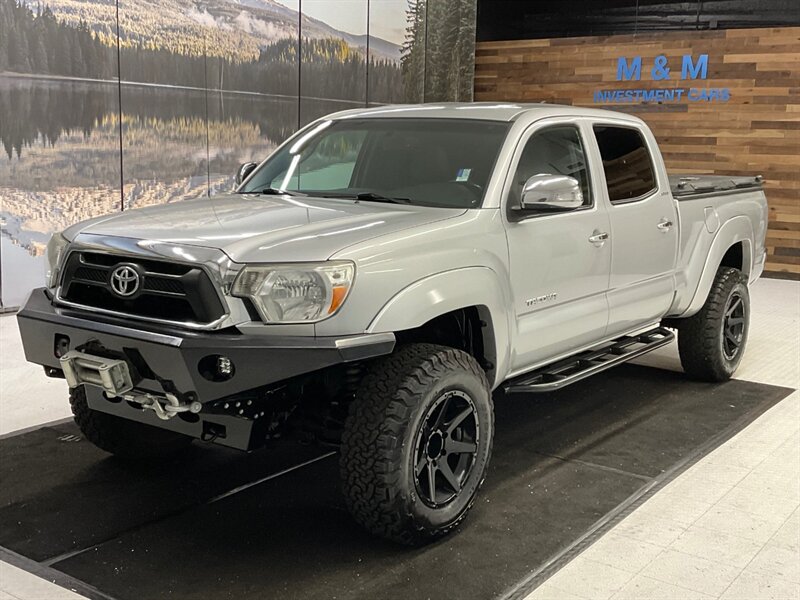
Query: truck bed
(688, 186)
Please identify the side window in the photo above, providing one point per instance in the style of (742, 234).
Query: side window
(325, 166)
(553, 151)
(626, 162)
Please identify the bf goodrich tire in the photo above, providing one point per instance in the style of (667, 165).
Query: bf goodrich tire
(417, 442)
(711, 343)
(126, 439)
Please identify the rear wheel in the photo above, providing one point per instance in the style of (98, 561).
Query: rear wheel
(126, 439)
(711, 343)
(417, 443)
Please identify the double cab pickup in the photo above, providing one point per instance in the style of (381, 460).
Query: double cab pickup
(381, 277)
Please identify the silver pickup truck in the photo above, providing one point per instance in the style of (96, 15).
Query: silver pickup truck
(379, 276)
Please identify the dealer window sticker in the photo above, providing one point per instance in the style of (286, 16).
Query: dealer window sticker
(463, 174)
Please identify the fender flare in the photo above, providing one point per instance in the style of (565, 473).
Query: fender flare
(447, 291)
(737, 229)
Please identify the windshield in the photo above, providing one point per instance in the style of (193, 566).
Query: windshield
(427, 162)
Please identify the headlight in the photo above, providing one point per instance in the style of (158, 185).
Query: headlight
(299, 293)
(55, 251)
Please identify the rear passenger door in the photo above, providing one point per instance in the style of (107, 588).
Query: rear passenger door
(644, 231)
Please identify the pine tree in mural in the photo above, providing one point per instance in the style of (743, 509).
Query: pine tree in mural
(35, 42)
(412, 62)
(436, 56)
(450, 50)
(38, 43)
(467, 20)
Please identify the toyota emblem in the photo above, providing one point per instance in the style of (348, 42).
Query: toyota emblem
(125, 281)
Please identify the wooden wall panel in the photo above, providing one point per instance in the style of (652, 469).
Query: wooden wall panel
(756, 131)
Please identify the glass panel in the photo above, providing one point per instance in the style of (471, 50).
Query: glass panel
(253, 47)
(244, 128)
(328, 165)
(60, 136)
(626, 162)
(553, 151)
(253, 87)
(164, 131)
(333, 55)
(396, 51)
(450, 54)
(428, 162)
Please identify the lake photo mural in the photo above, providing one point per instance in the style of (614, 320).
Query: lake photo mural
(109, 105)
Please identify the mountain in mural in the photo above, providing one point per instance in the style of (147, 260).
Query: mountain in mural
(232, 29)
(213, 44)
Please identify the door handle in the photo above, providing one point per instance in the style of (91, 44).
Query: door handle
(598, 238)
(664, 225)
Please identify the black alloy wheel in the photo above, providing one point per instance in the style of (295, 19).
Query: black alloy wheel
(417, 442)
(733, 326)
(446, 448)
(711, 342)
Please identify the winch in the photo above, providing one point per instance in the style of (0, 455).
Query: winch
(114, 376)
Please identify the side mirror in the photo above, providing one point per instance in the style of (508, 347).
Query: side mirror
(243, 171)
(551, 192)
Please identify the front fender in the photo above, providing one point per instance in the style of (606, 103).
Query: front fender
(738, 229)
(444, 292)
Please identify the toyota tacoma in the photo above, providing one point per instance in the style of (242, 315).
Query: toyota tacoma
(377, 279)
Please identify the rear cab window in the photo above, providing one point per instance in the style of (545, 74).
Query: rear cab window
(627, 163)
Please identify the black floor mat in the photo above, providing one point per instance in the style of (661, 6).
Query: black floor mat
(561, 462)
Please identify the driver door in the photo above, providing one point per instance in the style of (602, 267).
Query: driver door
(559, 264)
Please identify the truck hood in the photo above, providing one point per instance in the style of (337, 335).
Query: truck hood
(252, 228)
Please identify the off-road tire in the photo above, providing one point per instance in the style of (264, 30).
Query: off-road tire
(380, 443)
(701, 336)
(123, 438)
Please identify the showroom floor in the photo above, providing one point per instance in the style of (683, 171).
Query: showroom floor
(729, 526)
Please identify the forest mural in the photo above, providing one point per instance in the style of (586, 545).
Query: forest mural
(108, 105)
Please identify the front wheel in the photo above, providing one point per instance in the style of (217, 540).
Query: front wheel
(417, 443)
(711, 343)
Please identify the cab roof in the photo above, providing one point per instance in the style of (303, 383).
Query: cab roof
(487, 111)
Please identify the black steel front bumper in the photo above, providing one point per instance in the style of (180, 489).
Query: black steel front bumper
(170, 358)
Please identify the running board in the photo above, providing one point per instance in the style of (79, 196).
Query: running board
(564, 372)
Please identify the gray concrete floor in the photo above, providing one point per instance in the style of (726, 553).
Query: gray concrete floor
(729, 527)
(27, 397)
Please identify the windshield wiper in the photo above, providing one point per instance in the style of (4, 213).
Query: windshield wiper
(371, 197)
(271, 191)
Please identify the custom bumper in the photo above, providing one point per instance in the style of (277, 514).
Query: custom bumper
(168, 360)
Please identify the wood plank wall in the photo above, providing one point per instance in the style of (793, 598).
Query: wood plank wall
(756, 131)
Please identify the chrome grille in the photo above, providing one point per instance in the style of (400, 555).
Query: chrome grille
(178, 293)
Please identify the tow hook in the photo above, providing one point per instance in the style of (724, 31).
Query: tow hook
(166, 406)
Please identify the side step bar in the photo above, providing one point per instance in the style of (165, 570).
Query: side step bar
(564, 372)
